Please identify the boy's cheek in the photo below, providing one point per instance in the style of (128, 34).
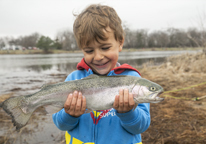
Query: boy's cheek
(87, 59)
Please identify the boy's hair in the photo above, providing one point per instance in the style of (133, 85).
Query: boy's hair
(91, 23)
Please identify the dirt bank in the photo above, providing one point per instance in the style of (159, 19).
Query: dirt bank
(178, 121)
(173, 121)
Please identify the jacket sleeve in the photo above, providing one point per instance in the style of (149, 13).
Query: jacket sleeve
(136, 121)
(63, 120)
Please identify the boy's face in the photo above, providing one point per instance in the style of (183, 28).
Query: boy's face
(103, 56)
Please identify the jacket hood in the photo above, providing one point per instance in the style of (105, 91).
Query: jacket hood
(117, 70)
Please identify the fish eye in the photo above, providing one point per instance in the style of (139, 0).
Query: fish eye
(152, 88)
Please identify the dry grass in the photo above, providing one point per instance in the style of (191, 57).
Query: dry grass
(178, 121)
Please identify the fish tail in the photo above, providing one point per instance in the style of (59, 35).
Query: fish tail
(11, 107)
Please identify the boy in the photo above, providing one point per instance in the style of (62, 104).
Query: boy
(100, 36)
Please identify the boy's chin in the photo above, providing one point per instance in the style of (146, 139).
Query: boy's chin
(102, 72)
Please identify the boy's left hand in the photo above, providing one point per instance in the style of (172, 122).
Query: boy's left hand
(124, 102)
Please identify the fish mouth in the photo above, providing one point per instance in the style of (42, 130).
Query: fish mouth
(157, 98)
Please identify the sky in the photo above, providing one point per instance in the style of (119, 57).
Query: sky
(48, 17)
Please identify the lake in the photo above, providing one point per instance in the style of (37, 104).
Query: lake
(25, 74)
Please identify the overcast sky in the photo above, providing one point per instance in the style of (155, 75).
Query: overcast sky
(47, 17)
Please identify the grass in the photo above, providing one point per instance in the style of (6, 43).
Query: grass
(178, 119)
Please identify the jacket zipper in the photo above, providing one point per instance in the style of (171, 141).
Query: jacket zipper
(95, 126)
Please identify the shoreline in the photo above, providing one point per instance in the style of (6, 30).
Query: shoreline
(39, 51)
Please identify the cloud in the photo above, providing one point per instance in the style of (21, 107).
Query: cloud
(23, 17)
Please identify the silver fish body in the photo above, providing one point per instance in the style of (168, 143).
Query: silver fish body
(99, 91)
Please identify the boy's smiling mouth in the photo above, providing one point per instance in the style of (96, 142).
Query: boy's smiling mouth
(101, 65)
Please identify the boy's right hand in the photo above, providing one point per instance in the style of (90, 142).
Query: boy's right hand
(75, 104)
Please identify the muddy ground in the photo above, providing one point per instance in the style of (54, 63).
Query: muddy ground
(177, 120)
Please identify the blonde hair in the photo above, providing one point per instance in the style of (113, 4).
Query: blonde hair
(91, 23)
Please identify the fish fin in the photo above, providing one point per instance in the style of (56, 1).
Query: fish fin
(44, 85)
(50, 109)
(135, 106)
(92, 76)
(11, 107)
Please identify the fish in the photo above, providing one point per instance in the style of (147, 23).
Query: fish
(99, 91)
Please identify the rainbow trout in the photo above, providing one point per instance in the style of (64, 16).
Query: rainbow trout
(99, 91)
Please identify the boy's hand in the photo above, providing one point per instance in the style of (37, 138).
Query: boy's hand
(75, 104)
(124, 102)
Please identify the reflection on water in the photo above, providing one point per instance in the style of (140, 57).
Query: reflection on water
(25, 74)
(67, 62)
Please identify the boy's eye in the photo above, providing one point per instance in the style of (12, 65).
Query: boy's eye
(105, 48)
(89, 51)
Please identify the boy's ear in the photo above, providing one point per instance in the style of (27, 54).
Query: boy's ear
(121, 43)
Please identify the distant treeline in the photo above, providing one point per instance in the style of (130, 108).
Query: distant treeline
(171, 37)
(65, 40)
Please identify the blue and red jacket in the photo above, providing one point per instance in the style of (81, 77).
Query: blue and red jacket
(107, 126)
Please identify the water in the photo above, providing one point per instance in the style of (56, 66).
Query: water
(25, 74)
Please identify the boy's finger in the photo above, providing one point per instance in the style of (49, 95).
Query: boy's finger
(116, 102)
(121, 98)
(79, 103)
(131, 100)
(83, 108)
(67, 104)
(74, 101)
(126, 98)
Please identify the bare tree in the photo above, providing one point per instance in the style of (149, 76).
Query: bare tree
(158, 39)
(202, 24)
(201, 41)
(128, 36)
(194, 37)
(2, 44)
(25, 41)
(178, 37)
(141, 38)
(67, 40)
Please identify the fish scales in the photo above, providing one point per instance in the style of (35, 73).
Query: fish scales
(99, 91)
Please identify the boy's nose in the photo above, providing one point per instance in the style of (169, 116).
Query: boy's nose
(98, 56)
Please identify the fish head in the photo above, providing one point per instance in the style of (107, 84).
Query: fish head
(145, 91)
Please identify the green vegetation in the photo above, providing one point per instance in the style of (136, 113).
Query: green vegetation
(46, 44)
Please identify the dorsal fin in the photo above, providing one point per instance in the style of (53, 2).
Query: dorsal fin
(44, 85)
(93, 76)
